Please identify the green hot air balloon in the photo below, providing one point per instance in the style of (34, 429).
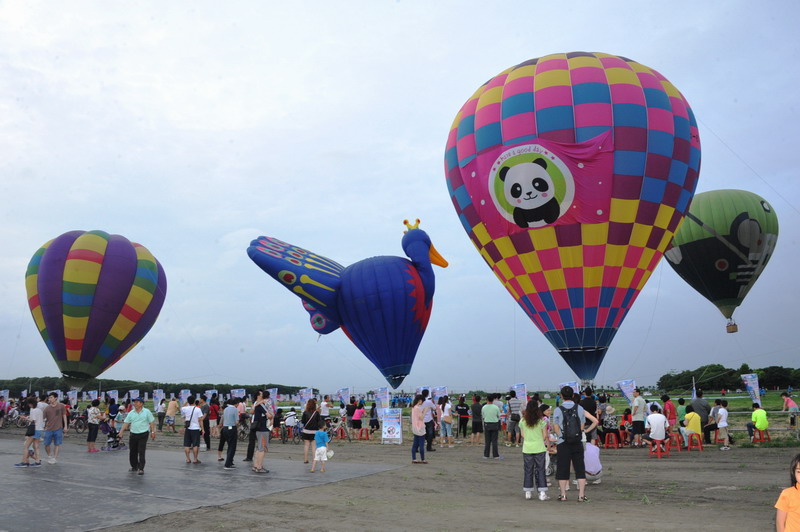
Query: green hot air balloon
(723, 246)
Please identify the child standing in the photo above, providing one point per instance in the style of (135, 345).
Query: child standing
(788, 505)
(722, 426)
(321, 439)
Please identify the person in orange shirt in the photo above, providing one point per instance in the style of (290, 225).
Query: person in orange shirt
(787, 518)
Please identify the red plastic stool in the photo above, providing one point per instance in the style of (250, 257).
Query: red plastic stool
(761, 436)
(340, 433)
(695, 441)
(611, 440)
(276, 432)
(716, 436)
(674, 441)
(363, 434)
(624, 437)
(656, 446)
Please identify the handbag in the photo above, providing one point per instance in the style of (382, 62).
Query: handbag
(188, 423)
(31, 431)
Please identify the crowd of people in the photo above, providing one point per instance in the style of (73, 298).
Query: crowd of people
(571, 433)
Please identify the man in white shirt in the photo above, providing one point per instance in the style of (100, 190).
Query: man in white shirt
(325, 408)
(657, 423)
(638, 417)
(193, 417)
(722, 426)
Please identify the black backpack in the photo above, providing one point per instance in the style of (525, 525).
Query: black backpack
(571, 424)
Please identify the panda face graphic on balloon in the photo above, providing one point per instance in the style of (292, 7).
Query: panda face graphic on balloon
(530, 186)
(529, 189)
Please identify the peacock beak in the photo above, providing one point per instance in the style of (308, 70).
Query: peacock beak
(436, 258)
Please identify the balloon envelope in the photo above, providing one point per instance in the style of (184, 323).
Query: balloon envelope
(571, 173)
(724, 245)
(93, 296)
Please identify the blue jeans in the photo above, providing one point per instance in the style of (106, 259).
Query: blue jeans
(418, 445)
(534, 464)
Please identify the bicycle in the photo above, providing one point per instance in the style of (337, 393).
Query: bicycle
(296, 431)
(335, 426)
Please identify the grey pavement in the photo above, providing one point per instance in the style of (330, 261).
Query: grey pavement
(89, 491)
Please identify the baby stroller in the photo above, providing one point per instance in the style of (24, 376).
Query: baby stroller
(113, 441)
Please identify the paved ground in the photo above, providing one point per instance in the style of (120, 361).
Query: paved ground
(96, 490)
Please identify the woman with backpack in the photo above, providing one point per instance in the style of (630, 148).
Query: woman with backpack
(569, 423)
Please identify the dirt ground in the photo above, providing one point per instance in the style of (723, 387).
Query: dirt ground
(459, 490)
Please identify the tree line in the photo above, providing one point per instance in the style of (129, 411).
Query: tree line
(718, 377)
(43, 384)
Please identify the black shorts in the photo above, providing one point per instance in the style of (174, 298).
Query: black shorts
(637, 428)
(570, 453)
(356, 424)
(92, 437)
(307, 437)
(191, 438)
(477, 427)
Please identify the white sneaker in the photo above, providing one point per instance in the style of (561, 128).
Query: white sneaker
(51, 460)
(528, 495)
(543, 496)
(724, 448)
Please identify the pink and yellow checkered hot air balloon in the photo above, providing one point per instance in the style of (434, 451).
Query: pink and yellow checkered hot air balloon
(571, 173)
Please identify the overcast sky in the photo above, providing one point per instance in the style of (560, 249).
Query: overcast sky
(193, 127)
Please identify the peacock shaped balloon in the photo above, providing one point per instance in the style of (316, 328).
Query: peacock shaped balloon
(382, 304)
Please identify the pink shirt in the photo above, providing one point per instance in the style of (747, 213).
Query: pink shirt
(788, 402)
(357, 414)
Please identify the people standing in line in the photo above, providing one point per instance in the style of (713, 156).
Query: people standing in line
(262, 420)
(431, 421)
(321, 439)
(722, 426)
(193, 418)
(161, 413)
(325, 408)
(670, 412)
(515, 410)
(787, 509)
(569, 424)
(230, 422)
(373, 419)
(536, 445)
(311, 424)
(638, 414)
(358, 414)
(251, 436)
(93, 419)
(141, 422)
(477, 420)
(702, 409)
(419, 430)
(112, 411)
(758, 420)
(32, 435)
(213, 415)
(589, 404)
(350, 411)
(462, 411)
(55, 427)
(205, 409)
(172, 412)
(490, 413)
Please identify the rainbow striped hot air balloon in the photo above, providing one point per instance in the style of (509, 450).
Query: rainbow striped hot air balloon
(93, 297)
(571, 173)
